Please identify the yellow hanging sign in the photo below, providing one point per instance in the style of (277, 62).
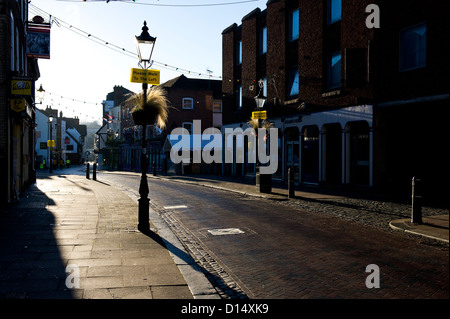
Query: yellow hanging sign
(20, 87)
(51, 143)
(261, 115)
(145, 76)
(18, 105)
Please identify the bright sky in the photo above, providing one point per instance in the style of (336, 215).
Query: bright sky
(81, 71)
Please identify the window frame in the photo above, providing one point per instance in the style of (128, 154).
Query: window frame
(263, 40)
(185, 99)
(239, 97)
(401, 56)
(330, 6)
(214, 104)
(331, 85)
(291, 35)
(239, 52)
(293, 74)
(184, 124)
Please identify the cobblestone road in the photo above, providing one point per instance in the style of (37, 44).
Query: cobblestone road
(303, 248)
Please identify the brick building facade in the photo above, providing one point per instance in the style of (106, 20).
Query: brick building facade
(192, 100)
(349, 100)
(18, 73)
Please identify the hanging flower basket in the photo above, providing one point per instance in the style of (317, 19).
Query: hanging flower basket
(153, 110)
(139, 117)
(146, 116)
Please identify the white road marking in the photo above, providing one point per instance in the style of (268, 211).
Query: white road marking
(225, 231)
(175, 207)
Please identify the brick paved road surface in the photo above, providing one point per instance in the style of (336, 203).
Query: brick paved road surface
(287, 252)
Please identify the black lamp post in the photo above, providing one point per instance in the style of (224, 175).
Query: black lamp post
(50, 122)
(144, 43)
(260, 99)
(263, 181)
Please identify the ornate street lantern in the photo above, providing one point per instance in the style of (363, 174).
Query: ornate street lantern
(145, 44)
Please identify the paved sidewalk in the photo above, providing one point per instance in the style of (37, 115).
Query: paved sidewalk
(434, 227)
(70, 237)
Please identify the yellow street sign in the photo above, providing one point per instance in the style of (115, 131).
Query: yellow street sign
(51, 143)
(20, 87)
(145, 76)
(261, 115)
(18, 105)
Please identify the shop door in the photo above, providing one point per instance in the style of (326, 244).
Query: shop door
(310, 155)
(292, 158)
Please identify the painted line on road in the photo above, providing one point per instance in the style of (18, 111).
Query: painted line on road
(175, 207)
(225, 231)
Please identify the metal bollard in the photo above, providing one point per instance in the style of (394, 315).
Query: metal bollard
(416, 209)
(291, 189)
(87, 170)
(94, 172)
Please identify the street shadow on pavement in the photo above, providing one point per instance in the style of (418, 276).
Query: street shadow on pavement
(213, 278)
(76, 184)
(31, 266)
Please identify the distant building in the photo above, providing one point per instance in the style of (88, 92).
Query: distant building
(192, 99)
(42, 136)
(116, 122)
(67, 133)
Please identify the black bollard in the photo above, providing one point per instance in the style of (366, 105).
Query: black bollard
(291, 188)
(87, 170)
(94, 172)
(416, 209)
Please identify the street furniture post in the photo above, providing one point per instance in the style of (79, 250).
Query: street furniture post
(94, 172)
(416, 209)
(291, 189)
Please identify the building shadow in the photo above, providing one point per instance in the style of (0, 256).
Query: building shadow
(31, 266)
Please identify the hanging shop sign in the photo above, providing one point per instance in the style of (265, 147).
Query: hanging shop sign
(145, 76)
(20, 87)
(18, 105)
(38, 40)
